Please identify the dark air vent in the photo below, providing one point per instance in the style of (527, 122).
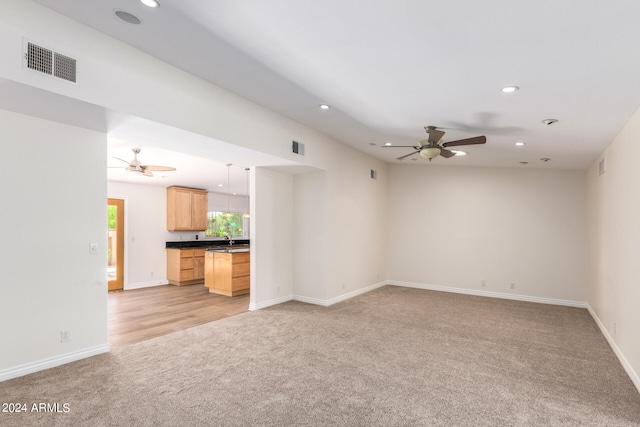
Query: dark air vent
(46, 61)
(39, 58)
(374, 174)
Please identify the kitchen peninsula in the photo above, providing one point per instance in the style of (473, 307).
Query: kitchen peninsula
(227, 270)
(186, 259)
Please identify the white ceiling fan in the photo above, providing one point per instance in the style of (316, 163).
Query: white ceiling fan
(135, 165)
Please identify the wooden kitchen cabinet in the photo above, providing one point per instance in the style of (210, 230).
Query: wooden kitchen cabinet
(187, 209)
(227, 273)
(198, 264)
(185, 266)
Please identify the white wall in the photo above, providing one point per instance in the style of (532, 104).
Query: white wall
(218, 203)
(311, 211)
(53, 183)
(614, 245)
(145, 233)
(357, 212)
(455, 226)
(271, 237)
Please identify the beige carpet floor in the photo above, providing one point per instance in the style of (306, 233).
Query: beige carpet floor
(392, 357)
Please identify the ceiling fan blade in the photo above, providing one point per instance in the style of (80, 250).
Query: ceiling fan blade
(468, 141)
(407, 155)
(147, 172)
(117, 158)
(158, 168)
(435, 135)
(446, 153)
(401, 146)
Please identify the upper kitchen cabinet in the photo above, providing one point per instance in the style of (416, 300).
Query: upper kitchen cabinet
(187, 209)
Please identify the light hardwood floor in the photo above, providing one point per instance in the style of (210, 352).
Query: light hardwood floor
(141, 314)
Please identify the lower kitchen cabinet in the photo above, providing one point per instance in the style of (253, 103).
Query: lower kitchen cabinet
(185, 266)
(227, 273)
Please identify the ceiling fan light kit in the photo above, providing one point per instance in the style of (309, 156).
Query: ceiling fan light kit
(430, 153)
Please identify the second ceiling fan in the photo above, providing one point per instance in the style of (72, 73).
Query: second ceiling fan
(135, 165)
(432, 147)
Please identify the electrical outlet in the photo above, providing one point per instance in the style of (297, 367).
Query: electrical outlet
(343, 286)
(513, 285)
(65, 336)
(483, 283)
(615, 328)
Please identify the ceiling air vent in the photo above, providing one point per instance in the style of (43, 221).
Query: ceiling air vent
(47, 61)
(601, 167)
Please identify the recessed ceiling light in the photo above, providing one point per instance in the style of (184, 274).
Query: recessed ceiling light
(387, 144)
(127, 17)
(150, 3)
(372, 144)
(549, 121)
(459, 153)
(524, 163)
(520, 143)
(324, 106)
(510, 89)
(220, 185)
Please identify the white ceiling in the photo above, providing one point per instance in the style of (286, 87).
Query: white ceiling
(200, 162)
(390, 67)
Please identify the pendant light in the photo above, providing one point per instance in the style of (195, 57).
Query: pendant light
(246, 215)
(228, 214)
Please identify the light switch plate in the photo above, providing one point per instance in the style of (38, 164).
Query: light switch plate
(93, 249)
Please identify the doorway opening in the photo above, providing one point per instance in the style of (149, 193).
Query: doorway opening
(115, 246)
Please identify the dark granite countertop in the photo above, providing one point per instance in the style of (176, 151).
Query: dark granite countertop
(229, 250)
(211, 244)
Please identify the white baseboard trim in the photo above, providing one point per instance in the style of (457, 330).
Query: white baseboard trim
(326, 303)
(269, 303)
(51, 362)
(339, 298)
(635, 379)
(310, 300)
(147, 284)
(541, 300)
(316, 301)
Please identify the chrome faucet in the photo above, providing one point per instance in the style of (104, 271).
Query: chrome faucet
(230, 240)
